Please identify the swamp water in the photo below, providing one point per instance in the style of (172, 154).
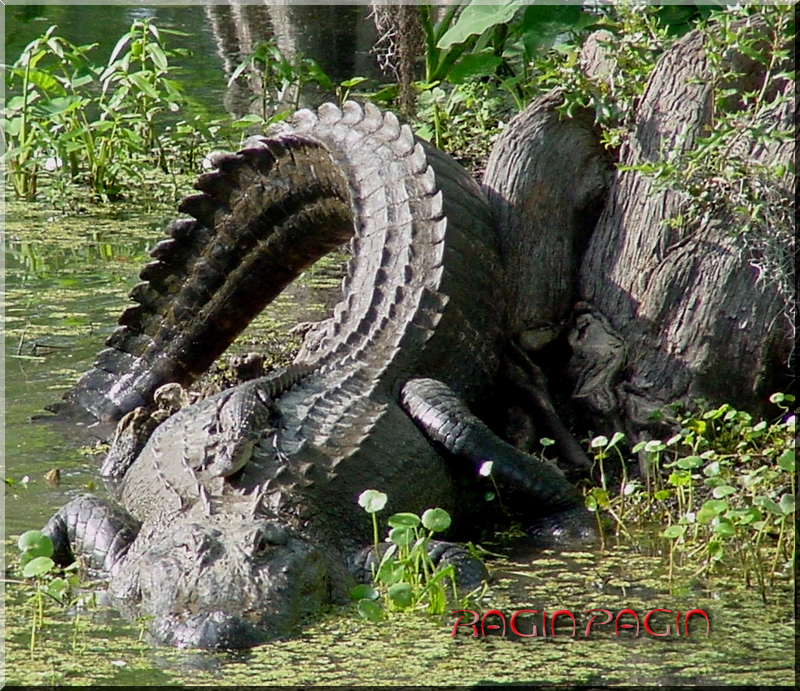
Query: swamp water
(66, 282)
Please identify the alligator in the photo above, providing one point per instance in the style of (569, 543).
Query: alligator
(238, 516)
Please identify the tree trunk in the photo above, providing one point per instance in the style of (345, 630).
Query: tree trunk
(663, 302)
(546, 179)
(697, 317)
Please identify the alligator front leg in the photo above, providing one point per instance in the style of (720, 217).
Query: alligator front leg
(550, 508)
(94, 531)
(470, 571)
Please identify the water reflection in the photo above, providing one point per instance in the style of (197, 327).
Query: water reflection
(219, 37)
(338, 37)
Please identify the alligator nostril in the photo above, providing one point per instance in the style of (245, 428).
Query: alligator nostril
(218, 630)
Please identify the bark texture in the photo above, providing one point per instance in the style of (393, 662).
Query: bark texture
(546, 179)
(689, 302)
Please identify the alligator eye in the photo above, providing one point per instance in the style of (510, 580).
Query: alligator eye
(262, 546)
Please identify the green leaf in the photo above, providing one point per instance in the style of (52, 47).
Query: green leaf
(474, 66)
(786, 460)
(723, 527)
(723, 491)
(436, 520)
(35, 543)
(372, 501)
(403, 520)
(401, 536)
(787, 504)
(674, 531)
(390, 571)
(716, 506)
(716, 550)
(57, 589)
(599, 442)
(144, 86)
(680, 478)
(768, 504)
(401, 594)
(689, 462)
(475, 19)
(364, 591)
(616, 438)
(601, 497)
(38, 567)
(370, 611)
(158, 56)
(350, 83)
(546, 441)
(123, 41)
(45, 82)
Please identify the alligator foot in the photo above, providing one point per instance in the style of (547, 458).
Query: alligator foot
(532, 384)
(469, 570)
(94, 531)
(537, 494)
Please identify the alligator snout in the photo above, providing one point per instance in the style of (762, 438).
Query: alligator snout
(214, 631)
(228, 583)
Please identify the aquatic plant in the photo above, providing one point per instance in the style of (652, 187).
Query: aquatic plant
(72, 120)
(404, 575)
(724, 486)
(279, 81)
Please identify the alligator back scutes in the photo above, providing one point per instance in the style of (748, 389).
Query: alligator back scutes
(398, 289)
(265, 214)
(272, 209)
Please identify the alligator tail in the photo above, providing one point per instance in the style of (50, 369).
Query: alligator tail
(261, 217)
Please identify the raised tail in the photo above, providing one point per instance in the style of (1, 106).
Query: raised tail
(261, 217)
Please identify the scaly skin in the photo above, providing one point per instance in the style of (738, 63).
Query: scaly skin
(422, 299)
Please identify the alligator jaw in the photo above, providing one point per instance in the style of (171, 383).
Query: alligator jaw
(222, 582)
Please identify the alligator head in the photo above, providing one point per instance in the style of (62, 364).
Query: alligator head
(215, 582)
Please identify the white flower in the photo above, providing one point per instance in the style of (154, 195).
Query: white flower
(52, 164)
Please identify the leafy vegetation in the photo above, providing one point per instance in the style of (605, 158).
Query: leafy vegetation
(279, 82)
(71, 120)
(36, 564)
(724, 487)
(404, 575)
